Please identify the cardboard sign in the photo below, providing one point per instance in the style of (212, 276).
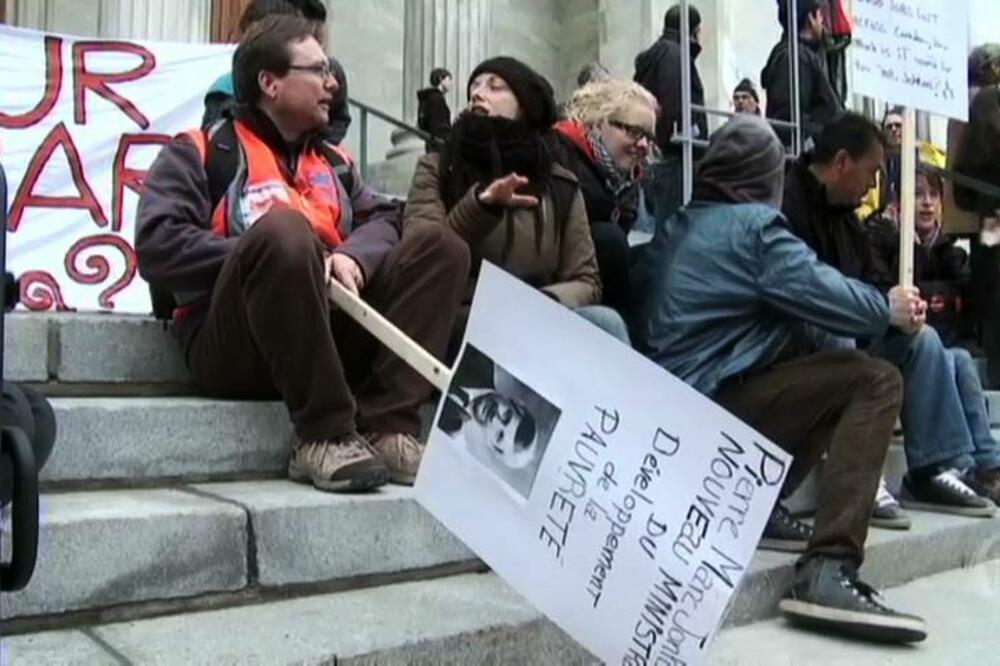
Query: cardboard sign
(622, 503)
(913, 52)
(80, 122)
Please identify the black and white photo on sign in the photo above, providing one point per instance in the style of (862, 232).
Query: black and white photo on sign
(501, 422)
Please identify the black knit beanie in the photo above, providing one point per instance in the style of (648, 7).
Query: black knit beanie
(533, 92)
(746, 85)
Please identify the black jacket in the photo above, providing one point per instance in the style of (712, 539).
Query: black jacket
(219, 105)
(978, 154)
(833, 232)
(818, 101)
(433, 114)
(658, 70)
(601, 204)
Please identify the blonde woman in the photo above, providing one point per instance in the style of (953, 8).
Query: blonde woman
(606, 142)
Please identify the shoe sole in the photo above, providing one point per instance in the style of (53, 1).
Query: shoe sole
(369, 480)
(402, 479)
(783, 545)
(967, 511)
(881, 628)
(891, 523)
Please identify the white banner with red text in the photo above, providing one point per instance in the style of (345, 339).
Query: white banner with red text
(80, 123)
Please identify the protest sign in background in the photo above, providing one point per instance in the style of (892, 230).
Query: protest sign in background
(913, 52)
(633, 510)
(80, 122)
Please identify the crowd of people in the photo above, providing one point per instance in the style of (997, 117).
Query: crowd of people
(767, 292)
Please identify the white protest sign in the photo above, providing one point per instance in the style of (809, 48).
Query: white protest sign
(913, 52)
(80, 122)
(621, 502)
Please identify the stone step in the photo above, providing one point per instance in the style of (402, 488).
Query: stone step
(475, 618)
(959, 607)
(147, 439)
(104, 548)
(468, 619)
(76, 348)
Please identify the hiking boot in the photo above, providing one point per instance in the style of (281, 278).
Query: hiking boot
(785, 532)
(985, 482)
(343, 465)
(827, 594)
(886, 512)
(944, 492)
(400, 453)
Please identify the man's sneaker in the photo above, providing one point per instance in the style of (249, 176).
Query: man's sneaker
(400, 453)
(887, 513)
(944, 492)
(785, 532)
(986, 483)
(344, 465)
(827, 594)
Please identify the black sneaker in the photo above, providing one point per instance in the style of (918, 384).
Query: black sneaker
(785, 532)
(827, 594)
(944, 492)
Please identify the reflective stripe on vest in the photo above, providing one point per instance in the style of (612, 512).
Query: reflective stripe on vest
(260, 182)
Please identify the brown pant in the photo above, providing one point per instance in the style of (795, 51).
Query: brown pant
(841, 402)
(270, 332)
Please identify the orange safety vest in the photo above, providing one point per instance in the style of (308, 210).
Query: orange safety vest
(261, 181)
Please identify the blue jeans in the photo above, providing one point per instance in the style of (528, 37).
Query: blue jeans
(986, 452)
(935, 427)
(664, 191)
(607, 320)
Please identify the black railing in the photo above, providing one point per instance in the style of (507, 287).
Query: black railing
(367, 111)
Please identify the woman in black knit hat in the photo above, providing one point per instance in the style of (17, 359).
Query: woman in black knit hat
(495, 184)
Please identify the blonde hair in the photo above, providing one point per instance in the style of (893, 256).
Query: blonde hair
(602, 100)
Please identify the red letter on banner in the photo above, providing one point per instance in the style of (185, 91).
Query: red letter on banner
(53, 82)
(59, 136)
(98, 81)
(123, 177)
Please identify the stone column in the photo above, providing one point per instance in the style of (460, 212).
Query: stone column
(454, 34)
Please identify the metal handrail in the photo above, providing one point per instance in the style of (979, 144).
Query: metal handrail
(367, 110)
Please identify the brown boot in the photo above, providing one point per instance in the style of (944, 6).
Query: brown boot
(344, 465)
(400, 453)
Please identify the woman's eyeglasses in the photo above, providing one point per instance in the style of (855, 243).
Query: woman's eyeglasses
(634, 132)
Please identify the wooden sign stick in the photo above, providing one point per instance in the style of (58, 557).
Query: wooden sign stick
(907, 196)
(386, 332)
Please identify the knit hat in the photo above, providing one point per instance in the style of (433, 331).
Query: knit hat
(746, 85)
(805, 7)
(534, 94)
(744, 163)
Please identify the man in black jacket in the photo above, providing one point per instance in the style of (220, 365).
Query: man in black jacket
(822, 191)
(818, 101)
(658, 70)
(433, 114)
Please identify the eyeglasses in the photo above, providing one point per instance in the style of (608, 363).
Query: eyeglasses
(634, 132)
(323, 70)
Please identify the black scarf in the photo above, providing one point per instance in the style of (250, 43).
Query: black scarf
(481, 149)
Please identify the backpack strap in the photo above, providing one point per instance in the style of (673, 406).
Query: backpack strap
(221, 159)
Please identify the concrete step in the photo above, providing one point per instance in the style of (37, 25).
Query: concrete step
(146, 439)
(70, 349)
(959, 607)
(104, 548)
(469, 619)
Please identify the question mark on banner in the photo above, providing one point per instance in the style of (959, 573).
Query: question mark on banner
(100, 267)
(40, 291)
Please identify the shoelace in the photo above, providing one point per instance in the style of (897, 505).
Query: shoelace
(783, 516)
(866, 593)
(953, 481)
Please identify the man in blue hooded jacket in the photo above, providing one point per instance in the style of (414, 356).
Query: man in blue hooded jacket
(737, 306)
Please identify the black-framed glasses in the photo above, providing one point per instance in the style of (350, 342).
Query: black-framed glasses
(323, 70)
(634, 132)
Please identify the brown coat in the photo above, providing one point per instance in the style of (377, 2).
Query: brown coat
(565, 266)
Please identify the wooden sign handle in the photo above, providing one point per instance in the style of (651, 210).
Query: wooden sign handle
(907, 194)
(385, 331)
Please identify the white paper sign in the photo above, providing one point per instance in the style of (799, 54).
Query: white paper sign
(913, 52)
(80, 122)
(621, 502)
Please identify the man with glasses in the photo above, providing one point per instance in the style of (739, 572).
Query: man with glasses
(249, 261)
